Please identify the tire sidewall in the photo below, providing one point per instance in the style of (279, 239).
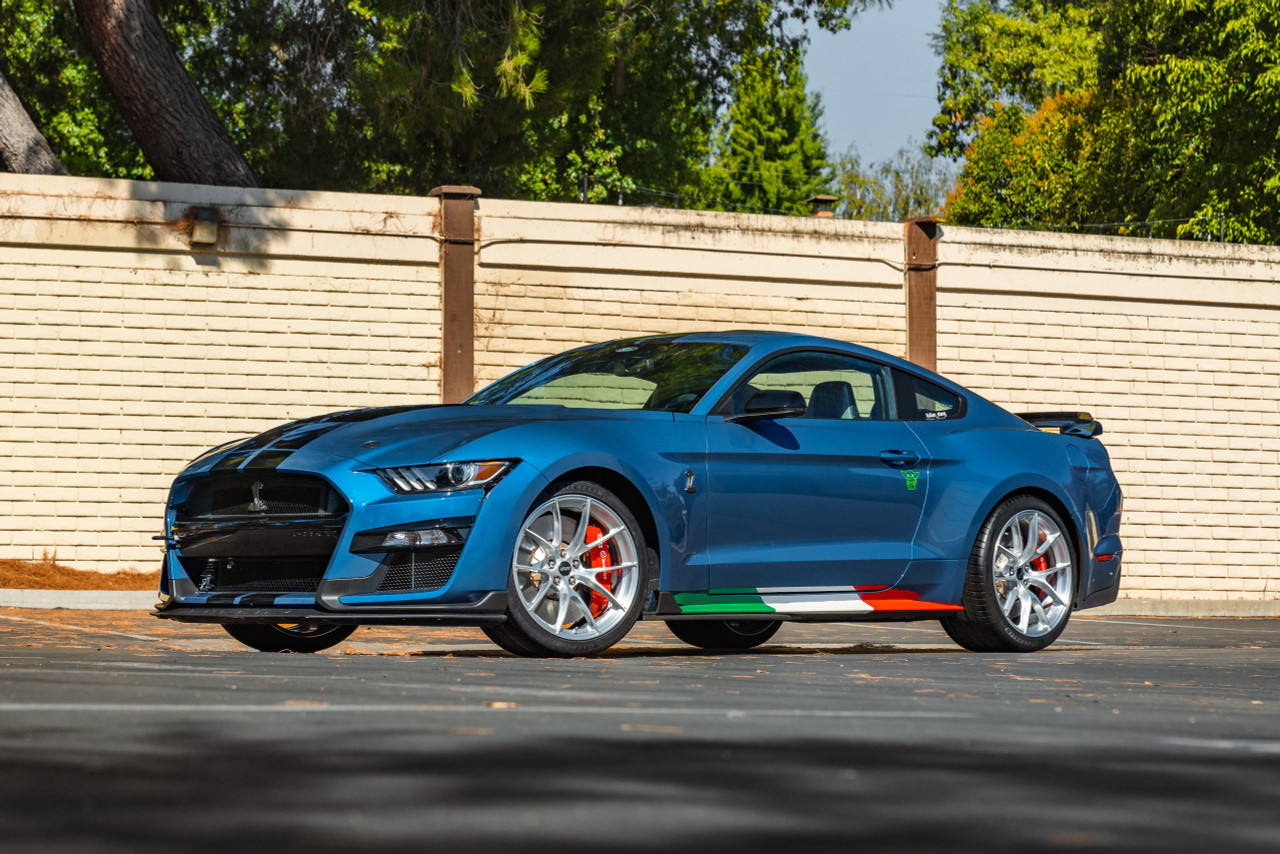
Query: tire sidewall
(524, 622)
(985, 553)
(268, 637)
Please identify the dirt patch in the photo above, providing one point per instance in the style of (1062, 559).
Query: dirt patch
(48, 574)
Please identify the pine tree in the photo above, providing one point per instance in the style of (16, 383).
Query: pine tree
(770, 153)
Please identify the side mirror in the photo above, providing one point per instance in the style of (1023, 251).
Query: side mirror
(770, 403)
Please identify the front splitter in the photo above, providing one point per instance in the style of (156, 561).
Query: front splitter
(490, 609)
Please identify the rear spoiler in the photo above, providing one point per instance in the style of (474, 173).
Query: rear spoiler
(1068, 423)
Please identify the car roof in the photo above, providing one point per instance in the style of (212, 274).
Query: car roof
(776, 340)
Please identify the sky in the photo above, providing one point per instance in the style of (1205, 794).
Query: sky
(878, 80)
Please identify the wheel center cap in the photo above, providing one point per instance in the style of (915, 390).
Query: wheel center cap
(564, 568)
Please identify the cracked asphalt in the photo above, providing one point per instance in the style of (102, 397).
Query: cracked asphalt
(122, 733)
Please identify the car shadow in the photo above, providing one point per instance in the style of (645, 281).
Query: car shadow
(676, 653)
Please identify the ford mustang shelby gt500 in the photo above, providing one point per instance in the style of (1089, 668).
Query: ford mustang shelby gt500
(722, 482)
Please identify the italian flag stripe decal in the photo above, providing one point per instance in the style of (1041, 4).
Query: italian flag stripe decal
(827, 601)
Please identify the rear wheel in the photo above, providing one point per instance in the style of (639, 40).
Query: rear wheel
(1020, 583)
(578, 575)
(724, 634)
(288, 637)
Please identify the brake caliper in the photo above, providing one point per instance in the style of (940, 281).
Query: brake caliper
(599, 559)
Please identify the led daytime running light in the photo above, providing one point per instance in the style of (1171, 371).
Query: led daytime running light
(446, 477)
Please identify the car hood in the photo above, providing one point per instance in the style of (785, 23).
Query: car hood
(388, 436)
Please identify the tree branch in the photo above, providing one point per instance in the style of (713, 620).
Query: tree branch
(22, 147)
(174, 126)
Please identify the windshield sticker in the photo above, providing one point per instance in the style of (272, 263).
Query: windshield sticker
(912, 477)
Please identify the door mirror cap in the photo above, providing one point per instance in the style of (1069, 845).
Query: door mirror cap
(769, 404)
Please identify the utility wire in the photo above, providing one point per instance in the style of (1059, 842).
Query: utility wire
(667, 194)
(742, 207)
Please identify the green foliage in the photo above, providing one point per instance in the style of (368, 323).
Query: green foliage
(770, 153)
(1176, 138)
(911, 183)
(590, 173)
(1009, 52)
(671, 72)
(1191, 107)
(521, 97)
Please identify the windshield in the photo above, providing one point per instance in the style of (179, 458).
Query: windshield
(671, 376)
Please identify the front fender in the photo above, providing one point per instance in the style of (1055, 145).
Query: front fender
(653, 451)
(676, 513)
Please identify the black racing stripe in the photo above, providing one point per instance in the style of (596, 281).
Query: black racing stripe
(266, 451)
(267, 460)
(302, 436)
(296, 434)
(232, 461)
(262, 440)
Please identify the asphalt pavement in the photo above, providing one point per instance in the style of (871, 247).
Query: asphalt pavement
(121, 733)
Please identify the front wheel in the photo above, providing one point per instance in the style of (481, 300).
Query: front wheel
(577, 578)
(1020, 583)
(724, 634)
(288, 637)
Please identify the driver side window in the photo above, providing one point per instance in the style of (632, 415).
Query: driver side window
(834, 386)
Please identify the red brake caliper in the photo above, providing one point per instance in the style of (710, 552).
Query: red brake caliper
(599, 560)
(1040, 564)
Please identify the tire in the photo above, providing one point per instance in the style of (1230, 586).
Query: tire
(724, 634)
(568, 596)
(288, 637)
(1017, 593)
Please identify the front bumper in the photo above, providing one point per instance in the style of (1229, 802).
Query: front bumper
(351, 580)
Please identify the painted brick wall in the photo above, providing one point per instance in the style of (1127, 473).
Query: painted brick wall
(1175, 347)
(123, 353)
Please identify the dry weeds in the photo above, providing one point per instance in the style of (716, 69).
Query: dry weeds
(48, 574)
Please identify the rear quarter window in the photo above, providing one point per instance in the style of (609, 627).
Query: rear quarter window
(921, 400)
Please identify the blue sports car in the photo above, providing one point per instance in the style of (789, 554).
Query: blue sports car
(721, 482)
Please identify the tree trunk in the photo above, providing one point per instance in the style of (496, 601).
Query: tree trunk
(171, 121)
(22, 147)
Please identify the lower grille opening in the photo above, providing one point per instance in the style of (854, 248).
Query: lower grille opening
(419, 569)
(256, 574)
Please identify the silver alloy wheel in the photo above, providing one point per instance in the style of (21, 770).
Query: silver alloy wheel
(561, 578)
(1033, 573)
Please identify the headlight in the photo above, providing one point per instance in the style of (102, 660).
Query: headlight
(446, 477)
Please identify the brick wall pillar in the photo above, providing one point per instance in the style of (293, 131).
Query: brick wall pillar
(920, 242)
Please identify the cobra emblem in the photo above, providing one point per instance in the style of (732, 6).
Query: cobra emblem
(258, 505)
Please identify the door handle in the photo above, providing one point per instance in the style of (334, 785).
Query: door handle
(898, 459)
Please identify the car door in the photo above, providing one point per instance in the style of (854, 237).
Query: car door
(828, 500)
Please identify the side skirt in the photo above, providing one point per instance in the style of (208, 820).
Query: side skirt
(826, 606)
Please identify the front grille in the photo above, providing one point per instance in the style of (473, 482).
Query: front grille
(256, 574)
(419, 569)
(258, 496)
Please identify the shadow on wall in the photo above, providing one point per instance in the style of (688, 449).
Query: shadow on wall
(213, 225)
(424, 788)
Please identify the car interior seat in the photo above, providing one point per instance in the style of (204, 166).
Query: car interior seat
(832, 399)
